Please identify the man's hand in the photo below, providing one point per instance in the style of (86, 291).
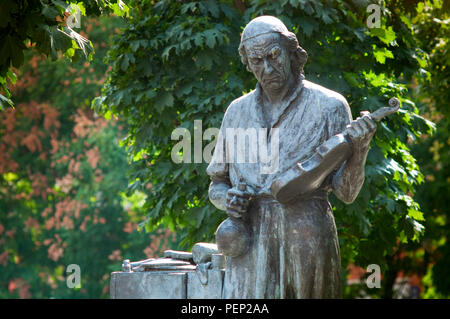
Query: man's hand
(237, 202)
(361, 131)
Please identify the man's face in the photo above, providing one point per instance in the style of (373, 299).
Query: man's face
(269, 61)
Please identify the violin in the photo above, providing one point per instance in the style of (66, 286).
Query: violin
(307, 176)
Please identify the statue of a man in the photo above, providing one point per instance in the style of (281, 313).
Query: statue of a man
(293, 250)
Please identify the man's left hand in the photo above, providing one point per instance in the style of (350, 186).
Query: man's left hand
(361, 131)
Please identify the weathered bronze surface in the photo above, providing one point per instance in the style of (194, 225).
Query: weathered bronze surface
(283, 241)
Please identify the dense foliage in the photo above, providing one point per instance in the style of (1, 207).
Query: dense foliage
(177, 62)
(41, 24)
(433, 154)
(62, 181)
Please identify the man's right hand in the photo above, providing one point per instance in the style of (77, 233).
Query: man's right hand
(237, 202)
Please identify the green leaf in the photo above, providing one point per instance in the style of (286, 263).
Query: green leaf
(415, 214)
(210, 36)
(382, 54)
(386, 35)
(203, 59)
(163, 100)
(125, 63)
(50, 12)
(352, 78)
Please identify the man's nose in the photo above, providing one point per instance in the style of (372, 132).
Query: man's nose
(267, 67)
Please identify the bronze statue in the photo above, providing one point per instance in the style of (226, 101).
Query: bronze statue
(280, 238)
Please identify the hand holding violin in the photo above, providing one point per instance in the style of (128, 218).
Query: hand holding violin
(361, 131)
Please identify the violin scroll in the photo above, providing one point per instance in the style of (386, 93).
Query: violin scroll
(394, 106)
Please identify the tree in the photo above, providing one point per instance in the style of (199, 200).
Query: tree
(177, 62)
(63, 181)
(41, 25)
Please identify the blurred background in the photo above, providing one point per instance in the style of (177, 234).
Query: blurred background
(64, 180)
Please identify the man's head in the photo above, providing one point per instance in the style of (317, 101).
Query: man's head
(271, 52)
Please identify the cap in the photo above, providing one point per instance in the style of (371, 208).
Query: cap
(263, 25)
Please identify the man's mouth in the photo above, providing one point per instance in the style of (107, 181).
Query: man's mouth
(272, 79)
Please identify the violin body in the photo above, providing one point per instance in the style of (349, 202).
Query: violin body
(306, 177)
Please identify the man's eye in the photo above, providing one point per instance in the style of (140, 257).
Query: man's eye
(275, 52)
